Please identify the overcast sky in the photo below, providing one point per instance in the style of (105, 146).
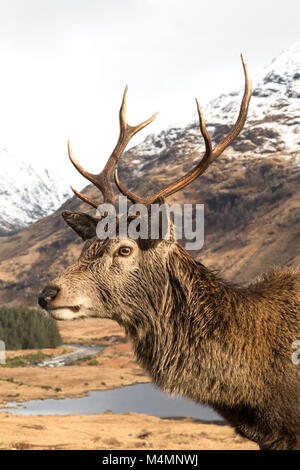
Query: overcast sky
(65, 63)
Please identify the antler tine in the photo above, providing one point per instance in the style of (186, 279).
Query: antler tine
(84, 198)
(241, 118)
(210, 154)
(103, 180)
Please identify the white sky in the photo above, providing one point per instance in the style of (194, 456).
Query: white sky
(64, 65)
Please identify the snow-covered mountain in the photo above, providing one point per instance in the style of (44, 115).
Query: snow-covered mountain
(26, 193)
(273, 123)
(274, 108)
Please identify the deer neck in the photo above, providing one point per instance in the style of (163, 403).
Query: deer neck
(176, 342)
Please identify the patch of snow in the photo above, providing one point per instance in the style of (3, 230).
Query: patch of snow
(27, 193)
(275, 100)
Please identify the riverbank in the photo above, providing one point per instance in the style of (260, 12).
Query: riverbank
(111, 368)
(109, 431)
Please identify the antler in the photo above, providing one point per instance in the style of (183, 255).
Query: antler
(210, 154)
(103, 180)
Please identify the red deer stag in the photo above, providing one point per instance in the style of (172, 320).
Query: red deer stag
(197, 335)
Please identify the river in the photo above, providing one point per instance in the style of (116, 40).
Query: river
(139, 398)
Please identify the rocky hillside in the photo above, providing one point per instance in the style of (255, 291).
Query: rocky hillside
(251, 194)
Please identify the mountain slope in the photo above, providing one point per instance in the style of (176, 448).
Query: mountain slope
(273, 123)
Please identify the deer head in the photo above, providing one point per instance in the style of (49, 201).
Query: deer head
(121, 278)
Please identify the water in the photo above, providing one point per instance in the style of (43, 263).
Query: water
(141, 398)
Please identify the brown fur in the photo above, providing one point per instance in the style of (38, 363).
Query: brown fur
(198, 336)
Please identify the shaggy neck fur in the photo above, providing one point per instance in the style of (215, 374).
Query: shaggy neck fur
(217, 343)
(183, 335)
(227, 346)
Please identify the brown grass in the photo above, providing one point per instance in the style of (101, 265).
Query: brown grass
(109, 432)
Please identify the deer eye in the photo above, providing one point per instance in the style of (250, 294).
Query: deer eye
(125, 251)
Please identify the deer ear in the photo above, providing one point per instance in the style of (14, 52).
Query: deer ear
(83, 224)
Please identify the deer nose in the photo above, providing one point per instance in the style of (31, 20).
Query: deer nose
(47, 295)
